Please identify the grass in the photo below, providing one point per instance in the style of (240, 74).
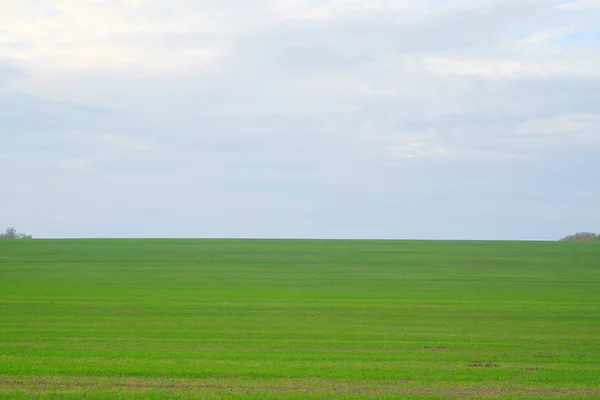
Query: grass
(296, 319)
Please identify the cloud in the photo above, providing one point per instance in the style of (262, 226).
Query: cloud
(566, 130)
(580, 5)
(112, 140)
(515, 68)
(100, 35)
(299, 117)
(7, 73)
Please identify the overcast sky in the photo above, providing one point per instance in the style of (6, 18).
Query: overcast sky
(448, 119)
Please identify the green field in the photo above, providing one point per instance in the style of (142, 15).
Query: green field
(295, 319)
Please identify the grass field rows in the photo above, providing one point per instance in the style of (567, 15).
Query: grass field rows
(298, 319)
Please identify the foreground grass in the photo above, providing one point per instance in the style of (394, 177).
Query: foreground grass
(298, 319)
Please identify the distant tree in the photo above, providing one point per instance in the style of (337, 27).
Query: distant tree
(11, 233)
(582, 236)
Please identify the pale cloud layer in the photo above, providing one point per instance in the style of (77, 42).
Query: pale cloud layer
(300, 118)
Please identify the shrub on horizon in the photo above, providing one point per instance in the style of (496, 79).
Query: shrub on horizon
(582, 236)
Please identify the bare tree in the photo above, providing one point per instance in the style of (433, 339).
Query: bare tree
(11, 233)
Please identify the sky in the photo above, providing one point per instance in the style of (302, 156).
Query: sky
(407, 119)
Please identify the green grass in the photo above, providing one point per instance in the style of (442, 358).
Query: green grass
(295, 319)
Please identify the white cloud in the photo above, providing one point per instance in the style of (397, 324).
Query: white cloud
(91, 150)
(417, 149)
(71, 34)
(111, 140)
(580, 5)
(578, 129)
(78, 162)
(524, 67)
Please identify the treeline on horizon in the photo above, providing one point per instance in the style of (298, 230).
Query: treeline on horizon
(11, 233)
(582, 236)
